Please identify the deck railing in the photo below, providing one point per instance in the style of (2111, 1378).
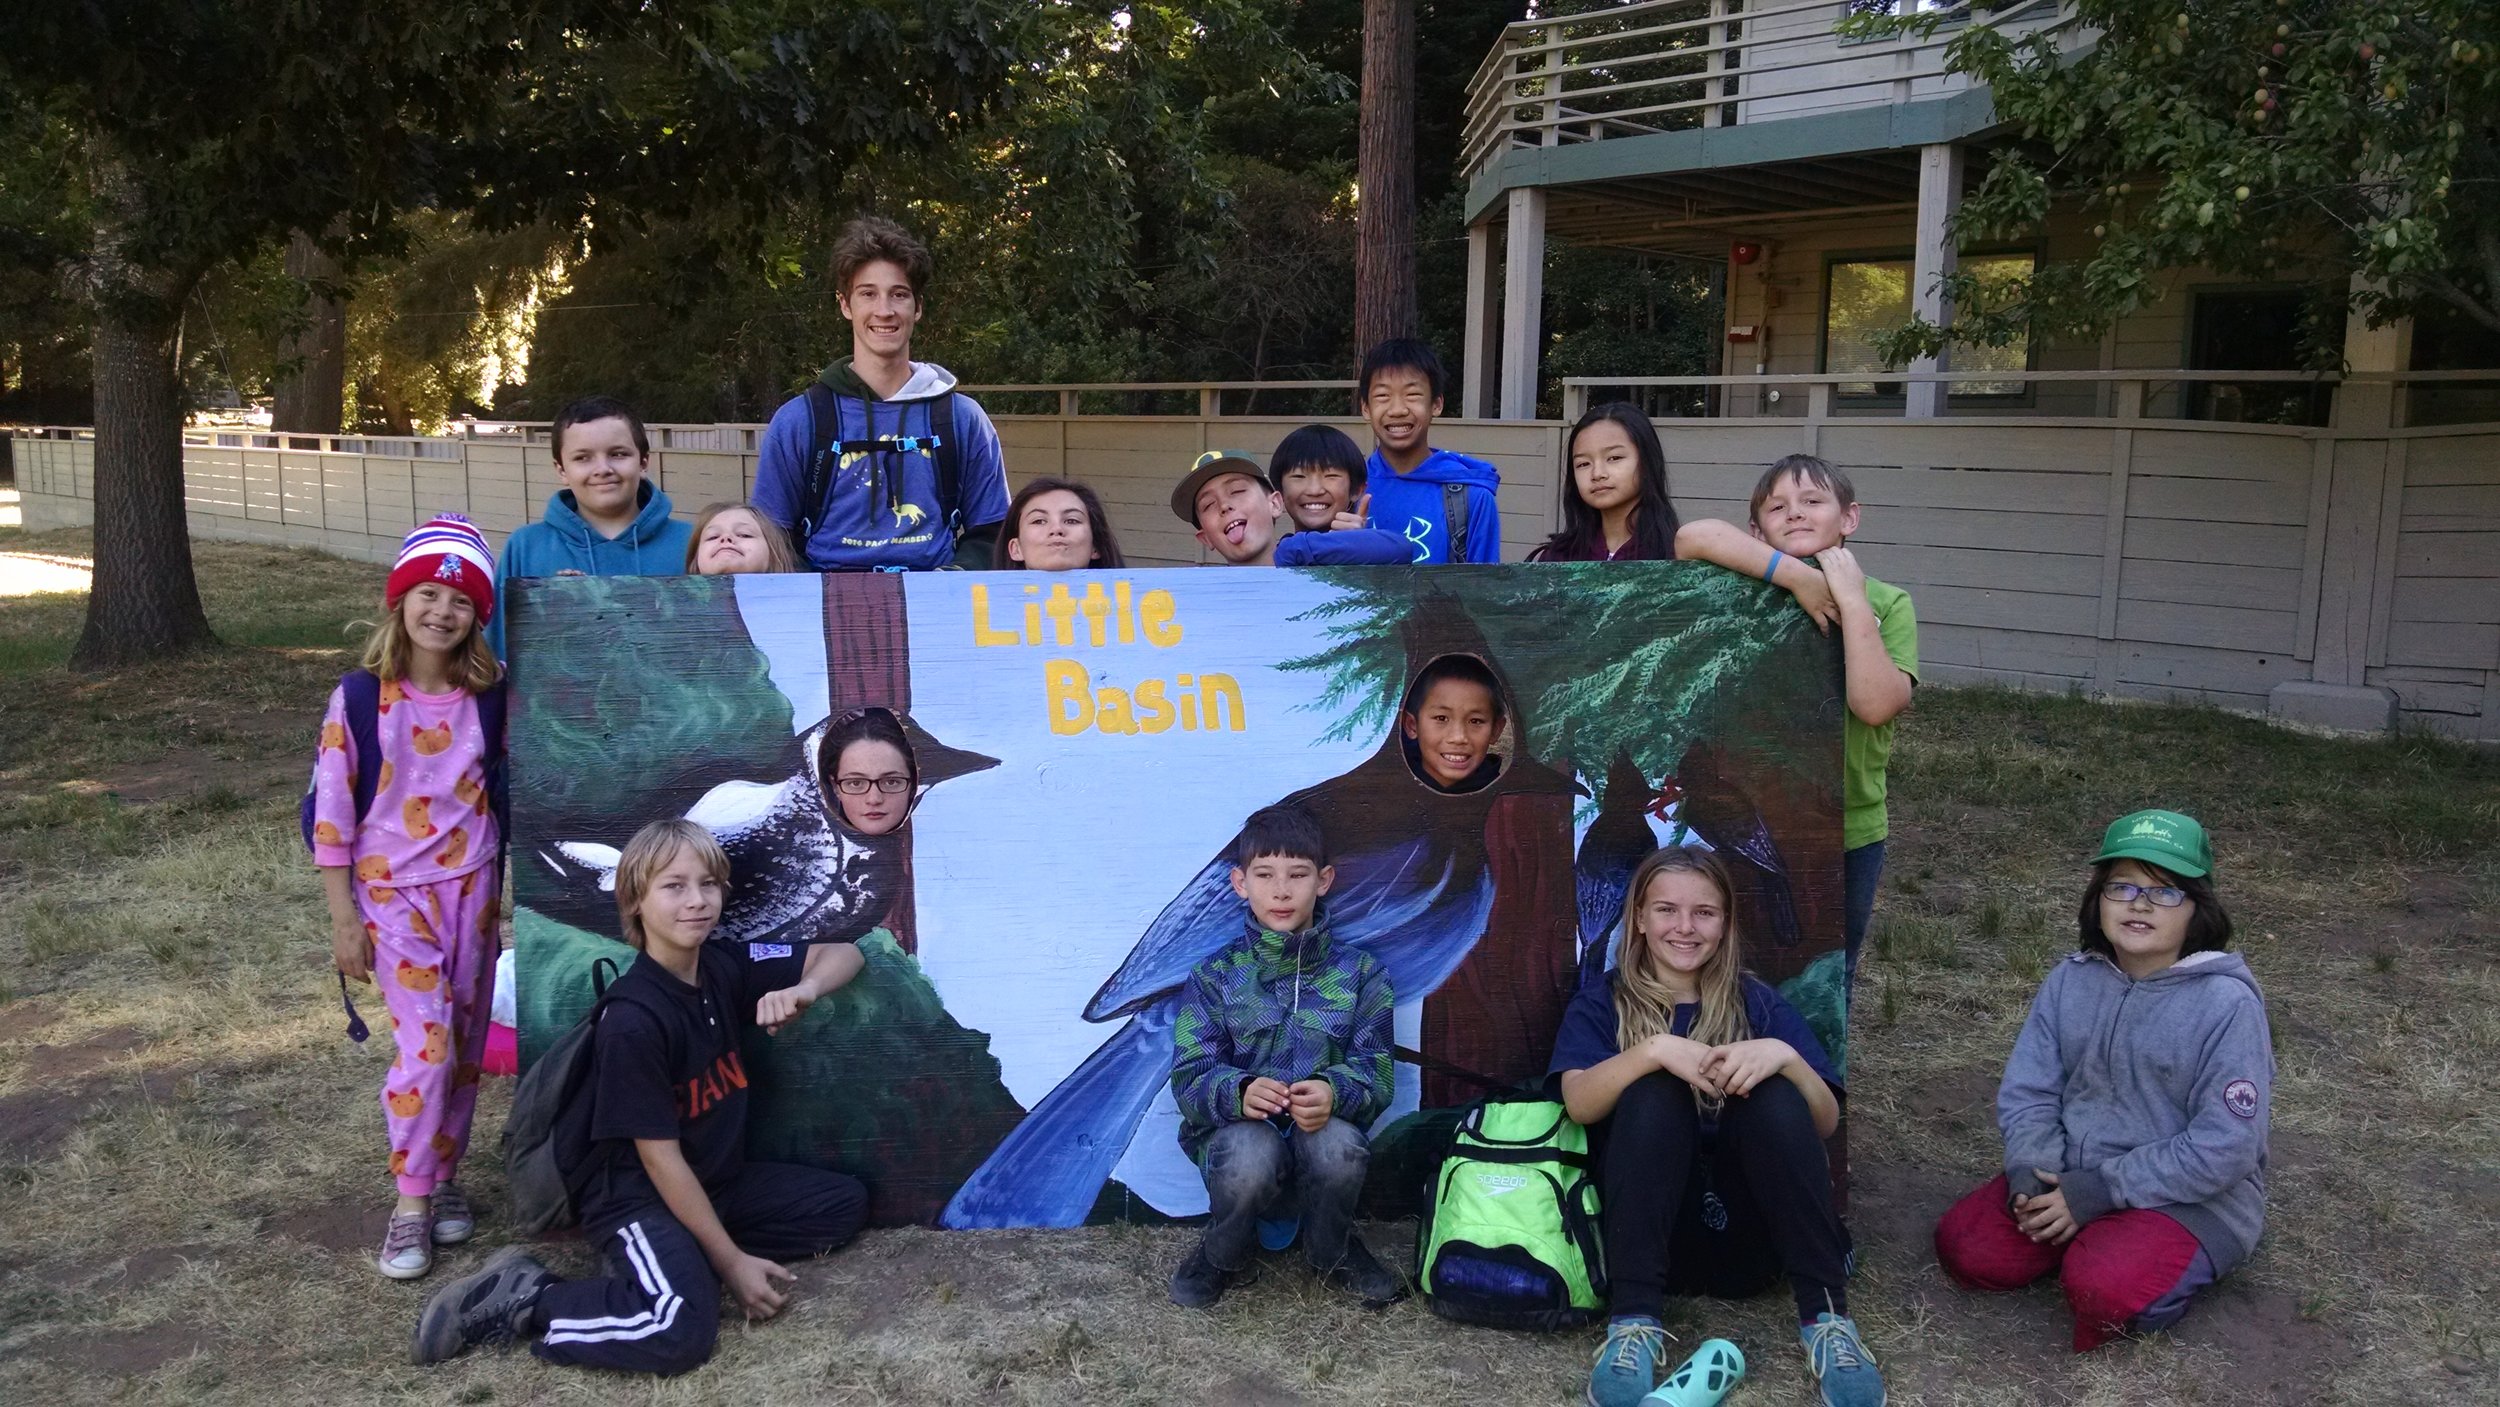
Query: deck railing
(1667, 65)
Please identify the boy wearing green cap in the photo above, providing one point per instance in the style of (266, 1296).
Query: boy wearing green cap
(2135, 1105)
(1227, 499)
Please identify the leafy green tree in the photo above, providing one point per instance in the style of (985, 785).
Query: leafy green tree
(193, 136)
(2255, 137)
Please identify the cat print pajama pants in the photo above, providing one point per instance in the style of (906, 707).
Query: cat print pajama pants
(434, 948)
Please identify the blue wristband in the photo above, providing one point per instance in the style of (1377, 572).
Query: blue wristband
(1774, 566)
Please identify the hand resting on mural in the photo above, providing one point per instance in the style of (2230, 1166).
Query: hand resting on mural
(1264, 1098)
(1313, 1102)
(829, 966)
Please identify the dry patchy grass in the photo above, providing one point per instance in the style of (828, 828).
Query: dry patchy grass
(189, 1151)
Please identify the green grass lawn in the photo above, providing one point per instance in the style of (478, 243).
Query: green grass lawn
(190, 1182)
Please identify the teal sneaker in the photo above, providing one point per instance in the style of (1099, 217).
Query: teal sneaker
(1627, 1364)
(1843, 1368)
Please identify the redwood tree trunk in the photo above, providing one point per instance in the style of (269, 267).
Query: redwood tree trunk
(145, 604)
(1384, 237)
(308, 401)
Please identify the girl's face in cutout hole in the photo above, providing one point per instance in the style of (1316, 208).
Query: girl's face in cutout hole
(872, 785)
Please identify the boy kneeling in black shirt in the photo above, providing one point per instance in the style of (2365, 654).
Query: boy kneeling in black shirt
(676, 1206)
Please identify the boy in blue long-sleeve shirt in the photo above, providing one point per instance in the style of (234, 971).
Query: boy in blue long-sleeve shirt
(1281, 1059)
(1418, 493)
(609, 519)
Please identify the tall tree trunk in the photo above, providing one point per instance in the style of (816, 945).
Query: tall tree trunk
(1384, 237)
(309, 399)
(145, 604)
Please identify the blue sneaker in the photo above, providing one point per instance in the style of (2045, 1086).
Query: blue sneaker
(1843, 1368)
(1627, 1364)
(1278, 1234)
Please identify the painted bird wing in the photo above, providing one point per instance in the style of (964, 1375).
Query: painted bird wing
(1050, 1170)
(1420, 953)
(1378, 891)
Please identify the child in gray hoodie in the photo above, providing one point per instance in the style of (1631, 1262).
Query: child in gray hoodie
(2135, 1105)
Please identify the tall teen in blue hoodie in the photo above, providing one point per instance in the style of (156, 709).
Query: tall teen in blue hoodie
(1415, 488)
(2135, 1105)
(887, 429)
(609, 519)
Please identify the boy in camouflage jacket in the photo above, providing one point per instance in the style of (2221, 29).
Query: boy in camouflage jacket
(1281, 1059)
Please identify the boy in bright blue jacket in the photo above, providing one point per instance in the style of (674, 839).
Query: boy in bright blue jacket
(1441, 503)
(1281, 1060)
(609, 519)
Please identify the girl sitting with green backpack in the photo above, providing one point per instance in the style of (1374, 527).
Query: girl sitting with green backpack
(1707, 1100)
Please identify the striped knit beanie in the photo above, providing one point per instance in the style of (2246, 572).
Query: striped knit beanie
(450, 550)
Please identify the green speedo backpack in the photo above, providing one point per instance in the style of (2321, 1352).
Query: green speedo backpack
(1509, 1236)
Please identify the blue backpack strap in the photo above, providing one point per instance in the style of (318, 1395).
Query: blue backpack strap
(824, 450)
(363, 704)
(363, 692)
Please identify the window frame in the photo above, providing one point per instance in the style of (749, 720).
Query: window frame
(2025, 399)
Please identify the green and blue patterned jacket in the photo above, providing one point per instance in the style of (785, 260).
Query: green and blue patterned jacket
(1286, 1006)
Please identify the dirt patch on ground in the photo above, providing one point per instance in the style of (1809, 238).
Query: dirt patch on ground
(342, 1224)
(2276, 1352)
(28, 1015)
(34, 1125)
(54, 1063)
(120, 1353)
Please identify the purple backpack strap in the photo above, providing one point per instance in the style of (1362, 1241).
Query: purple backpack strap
(363, 699)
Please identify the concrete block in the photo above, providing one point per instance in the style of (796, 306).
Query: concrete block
(2346, 708)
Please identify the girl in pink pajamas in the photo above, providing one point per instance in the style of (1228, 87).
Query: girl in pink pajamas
(413, 881)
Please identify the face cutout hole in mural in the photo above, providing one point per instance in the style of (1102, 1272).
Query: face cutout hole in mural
(1456, 725)
(869, 775)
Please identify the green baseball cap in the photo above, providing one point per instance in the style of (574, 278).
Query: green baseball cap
(2165, 838)
(1207, 466)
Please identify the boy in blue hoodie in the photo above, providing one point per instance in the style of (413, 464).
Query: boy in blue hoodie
(2135, 1105)
(883, 464)
(609, 519)
(1417, 492)
(1281, 1060)
(1240, 517)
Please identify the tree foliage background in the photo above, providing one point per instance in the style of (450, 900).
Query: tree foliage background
(2252, 137)
(1159, 191)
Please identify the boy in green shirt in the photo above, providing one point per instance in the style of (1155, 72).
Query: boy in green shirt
(1803, 507)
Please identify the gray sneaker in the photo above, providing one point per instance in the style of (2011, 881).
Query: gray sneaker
(495, 1304)
(408, 1247)
(454, 1220)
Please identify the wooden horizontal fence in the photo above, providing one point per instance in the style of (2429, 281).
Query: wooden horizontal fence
(2119, 555)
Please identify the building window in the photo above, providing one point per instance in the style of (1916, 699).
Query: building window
(2253, 329)
(1865, 298)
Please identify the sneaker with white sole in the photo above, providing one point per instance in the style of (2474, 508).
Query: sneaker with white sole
(1627, 1363)
(408, 1247)
(454, 1221)
(1843, 1367)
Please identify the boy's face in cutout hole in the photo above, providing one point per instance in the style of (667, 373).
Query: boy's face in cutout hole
(1283, 891)
(1454, 725)
(1683, 919)
(873, 767)
(1801, 517)
(681, 905)
(599, 463)
(1315, 494)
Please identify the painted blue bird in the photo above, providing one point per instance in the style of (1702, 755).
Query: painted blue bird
(1416, 898)
(1617, 840)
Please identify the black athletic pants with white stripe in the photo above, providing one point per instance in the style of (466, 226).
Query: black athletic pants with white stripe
(658, 1309)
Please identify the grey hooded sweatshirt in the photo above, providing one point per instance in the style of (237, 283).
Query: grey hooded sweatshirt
(2150, 1094)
